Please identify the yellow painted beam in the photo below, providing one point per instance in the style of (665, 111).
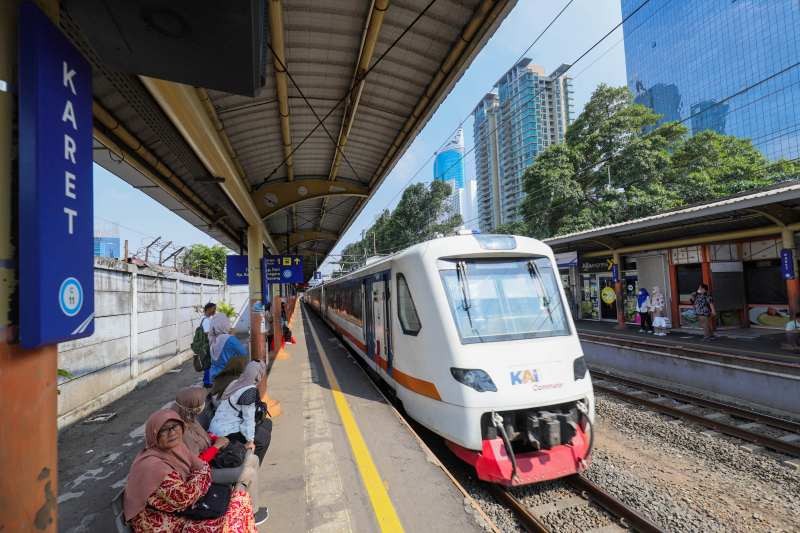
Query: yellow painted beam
(184, 106)
(699, 239)
(299, 237)
(276, 196)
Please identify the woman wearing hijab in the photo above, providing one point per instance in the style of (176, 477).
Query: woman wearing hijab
(235, 416)
(229, 374)
(166, 478)
(189, 402)
(224, 346)
(643, 308)
(657, 305)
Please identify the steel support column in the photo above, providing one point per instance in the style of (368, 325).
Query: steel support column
(254, 254)
(793, 283)
(617, 258)
(28, 490)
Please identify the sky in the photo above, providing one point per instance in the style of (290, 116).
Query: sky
(582, 24)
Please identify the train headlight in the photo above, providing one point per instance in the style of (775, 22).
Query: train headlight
(579, 368)
(474, 378)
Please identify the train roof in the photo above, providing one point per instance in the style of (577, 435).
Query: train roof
(455, 245)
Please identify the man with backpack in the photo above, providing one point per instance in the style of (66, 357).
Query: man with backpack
(200, 345)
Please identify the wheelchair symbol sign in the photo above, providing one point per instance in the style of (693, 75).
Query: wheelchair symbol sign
(70, 297)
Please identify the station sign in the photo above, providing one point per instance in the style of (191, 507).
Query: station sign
(282, 268)
(56, 222)
(236, 270)
(787, 264)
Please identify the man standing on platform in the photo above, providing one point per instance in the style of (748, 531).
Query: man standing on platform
(705, 310)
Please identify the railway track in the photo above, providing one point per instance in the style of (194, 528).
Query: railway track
(771, 432)
(626, 517)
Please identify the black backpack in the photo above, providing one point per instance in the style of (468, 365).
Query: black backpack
(202, 354)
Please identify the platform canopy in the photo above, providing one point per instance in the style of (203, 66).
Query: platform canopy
(233, 147)
(747, 215)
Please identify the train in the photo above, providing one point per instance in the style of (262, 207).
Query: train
(473, 335)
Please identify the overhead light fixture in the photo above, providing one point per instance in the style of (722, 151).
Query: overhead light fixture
(210, 179)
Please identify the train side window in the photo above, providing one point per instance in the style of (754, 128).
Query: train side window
(406, 310)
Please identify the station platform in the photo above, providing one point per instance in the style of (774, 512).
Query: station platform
(340, 458)
(766, 344)
(756, 371)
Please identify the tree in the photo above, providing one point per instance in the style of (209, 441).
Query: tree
(206, 260)
(421, 214)
(615, 164)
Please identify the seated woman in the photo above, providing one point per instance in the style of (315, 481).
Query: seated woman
(189, 402)
(229, 374)
(224, 346)
(235, 416)
(166, 478)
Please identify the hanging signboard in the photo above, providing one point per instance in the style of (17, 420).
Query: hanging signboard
(236, 270)
(56, 263)
(283, 268)
(787, 264)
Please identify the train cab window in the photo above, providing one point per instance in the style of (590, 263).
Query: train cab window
(406, 310)
(504, 299)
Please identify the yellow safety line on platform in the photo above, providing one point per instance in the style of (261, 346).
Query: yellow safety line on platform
(379, 498)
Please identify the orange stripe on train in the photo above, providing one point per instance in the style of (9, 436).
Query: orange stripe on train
(420, 386)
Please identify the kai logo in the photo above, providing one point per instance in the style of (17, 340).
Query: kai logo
(524, 377)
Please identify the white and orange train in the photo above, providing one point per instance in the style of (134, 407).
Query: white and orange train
(473, 334)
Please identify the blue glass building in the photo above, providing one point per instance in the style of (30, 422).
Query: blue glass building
(449, 162)
(106, 247)
(684, 57)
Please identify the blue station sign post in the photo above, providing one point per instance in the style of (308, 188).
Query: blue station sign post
(56, 264)
(236, 270)
(282, 268)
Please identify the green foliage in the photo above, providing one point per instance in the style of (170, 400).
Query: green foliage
(206, 261)
(227, 309)
(420, 215)
(616, 165)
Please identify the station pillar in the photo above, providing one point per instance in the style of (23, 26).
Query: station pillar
(618, 289)
(29, 488)
(790, 270)
(255, 249)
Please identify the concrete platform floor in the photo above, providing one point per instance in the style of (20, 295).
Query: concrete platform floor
(311, 479)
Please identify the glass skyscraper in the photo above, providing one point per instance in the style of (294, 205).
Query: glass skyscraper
(525, 113)
(448, 166)
(684, 57)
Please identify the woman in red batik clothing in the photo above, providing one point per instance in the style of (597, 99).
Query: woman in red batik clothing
(166, 478)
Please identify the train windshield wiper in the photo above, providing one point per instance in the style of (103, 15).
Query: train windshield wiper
(533, 270)
(463, 282)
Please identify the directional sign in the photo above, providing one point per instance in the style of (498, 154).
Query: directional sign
(283, 268)
(787, 264)
(56, 263)
(236, 270)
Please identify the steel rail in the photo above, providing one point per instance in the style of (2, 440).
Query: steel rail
(727, 429)
(613, 505)
(530, 521)
(767, 420)
(767, 362)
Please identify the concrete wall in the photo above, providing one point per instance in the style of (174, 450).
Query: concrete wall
(144, 324)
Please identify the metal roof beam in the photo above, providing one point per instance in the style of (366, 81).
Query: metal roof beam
(185, 108)
(281, 83)
(300, 237)
(278, 195)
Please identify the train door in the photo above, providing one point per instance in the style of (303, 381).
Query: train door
(369, 323)
(387, 321)
(379, 318)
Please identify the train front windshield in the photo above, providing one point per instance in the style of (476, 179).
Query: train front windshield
(509, 299)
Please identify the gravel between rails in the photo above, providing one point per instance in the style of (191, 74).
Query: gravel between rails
(686, 479)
